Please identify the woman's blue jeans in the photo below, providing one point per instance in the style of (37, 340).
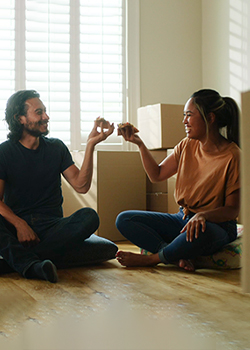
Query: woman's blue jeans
(160, 233)
(58, 236)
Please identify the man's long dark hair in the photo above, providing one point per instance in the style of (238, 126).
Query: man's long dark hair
(16, 107)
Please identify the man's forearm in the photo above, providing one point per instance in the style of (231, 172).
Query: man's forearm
(25, 234)
(84, 178)
(9, 215)
(81, 179)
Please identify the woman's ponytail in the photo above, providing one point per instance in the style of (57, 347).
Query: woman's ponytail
(233, 116)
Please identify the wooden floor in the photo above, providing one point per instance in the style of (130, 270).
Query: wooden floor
(112, 307)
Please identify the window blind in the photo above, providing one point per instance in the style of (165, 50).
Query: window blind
(7, 58)
(74, 55)
(48, 60)
(102, 63)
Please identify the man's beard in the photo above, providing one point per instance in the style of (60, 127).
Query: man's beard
(35, 132)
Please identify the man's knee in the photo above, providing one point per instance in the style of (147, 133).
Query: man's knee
(90, 216)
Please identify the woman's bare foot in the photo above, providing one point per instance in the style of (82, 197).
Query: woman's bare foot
(132, 259)
(186, 265)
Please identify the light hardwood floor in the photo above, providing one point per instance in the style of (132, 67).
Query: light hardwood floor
(112, 307)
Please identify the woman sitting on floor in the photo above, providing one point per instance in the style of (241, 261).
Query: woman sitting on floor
(207, 188)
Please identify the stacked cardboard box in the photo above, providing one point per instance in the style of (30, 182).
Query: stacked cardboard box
(119, 184)
(157, 193)
(173, 207)
(161, 128)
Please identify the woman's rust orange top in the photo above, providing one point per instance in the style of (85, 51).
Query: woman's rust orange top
(205, 179)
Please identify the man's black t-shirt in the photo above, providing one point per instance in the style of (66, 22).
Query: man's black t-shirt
(33, 177)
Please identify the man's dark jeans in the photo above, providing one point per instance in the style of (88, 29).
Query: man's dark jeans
(58, 236)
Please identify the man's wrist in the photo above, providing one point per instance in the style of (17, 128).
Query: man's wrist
(91, 144)
(19, 222)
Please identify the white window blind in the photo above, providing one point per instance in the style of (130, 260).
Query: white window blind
(7, 58)
(102, 64)
(73, 53)
(48, 60)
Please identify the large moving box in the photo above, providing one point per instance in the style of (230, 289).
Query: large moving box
(119, 183)
(162, 186)
(160, 125)
(245, 193)
(160, 195)
(157, 202)
(157, 193)
(173, 207)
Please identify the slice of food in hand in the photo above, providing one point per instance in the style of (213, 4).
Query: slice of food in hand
(104, 122)
(126, 125)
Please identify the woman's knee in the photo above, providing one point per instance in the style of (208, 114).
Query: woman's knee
(122, 218)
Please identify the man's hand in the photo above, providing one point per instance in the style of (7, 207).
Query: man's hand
(25, 235)
(96, 137)
(194, 226)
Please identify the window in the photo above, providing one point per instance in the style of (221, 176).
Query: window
(74, 54)
(7, 58)
(47, 60)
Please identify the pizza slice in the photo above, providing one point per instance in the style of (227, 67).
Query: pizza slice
(126, 125)
(100, 120)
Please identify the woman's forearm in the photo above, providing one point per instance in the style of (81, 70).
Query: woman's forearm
(157, 172)
(150, 166)
(221, 214)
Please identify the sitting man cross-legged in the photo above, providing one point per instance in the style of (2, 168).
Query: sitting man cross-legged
(35, 238)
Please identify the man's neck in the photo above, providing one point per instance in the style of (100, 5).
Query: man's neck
(29, 141)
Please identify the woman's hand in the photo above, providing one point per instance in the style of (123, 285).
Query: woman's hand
(96, 136)
(129, 135)
(194, 226)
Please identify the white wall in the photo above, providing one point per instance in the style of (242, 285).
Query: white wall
(226, 46)
(189, 44)
(170, 50)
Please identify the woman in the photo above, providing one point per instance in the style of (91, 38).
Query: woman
(207, 188)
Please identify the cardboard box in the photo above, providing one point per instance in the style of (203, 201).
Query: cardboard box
(162, 186)
(245, 192)
(119, 183)
(173, 207)
(157, 202)
(160, 125)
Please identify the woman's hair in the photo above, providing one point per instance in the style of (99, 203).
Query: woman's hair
(225, 109)
(16, 107)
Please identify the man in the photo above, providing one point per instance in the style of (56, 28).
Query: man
(35, 239)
